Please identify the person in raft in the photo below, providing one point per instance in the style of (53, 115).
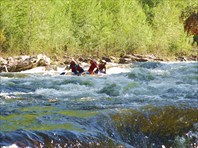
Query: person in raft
(76, 68)
(101, 67)
(93, 67)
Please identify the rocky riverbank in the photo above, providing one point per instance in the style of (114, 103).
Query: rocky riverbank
(25, 62)
(21, 63)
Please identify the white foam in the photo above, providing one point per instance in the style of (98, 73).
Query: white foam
(11, 146)
(35, 70)
(117, 70)
(112, 68)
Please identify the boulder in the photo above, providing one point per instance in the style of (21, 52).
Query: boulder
(106, 59)
(124, 60)
(43, 60)
(3, 61)
(21, 63)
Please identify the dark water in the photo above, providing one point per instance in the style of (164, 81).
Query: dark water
(146, 105)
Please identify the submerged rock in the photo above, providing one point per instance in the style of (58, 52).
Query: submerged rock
(158, 126)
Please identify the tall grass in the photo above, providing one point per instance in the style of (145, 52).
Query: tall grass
(92, 26)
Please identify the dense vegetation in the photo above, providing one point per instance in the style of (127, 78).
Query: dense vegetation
(90, 26)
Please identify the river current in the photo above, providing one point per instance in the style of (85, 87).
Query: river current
(149, 104)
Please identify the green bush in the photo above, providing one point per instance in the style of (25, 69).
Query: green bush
(87, 27)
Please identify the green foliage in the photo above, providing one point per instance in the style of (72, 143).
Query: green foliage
(84, 26)
(191, 8)
(168, 30)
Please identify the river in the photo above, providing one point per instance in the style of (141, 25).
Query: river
(149, 104)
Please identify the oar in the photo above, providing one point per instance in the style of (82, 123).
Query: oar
(66, 67)
(63, 73)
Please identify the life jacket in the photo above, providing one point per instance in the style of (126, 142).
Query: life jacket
(101, 67)
(92, 67)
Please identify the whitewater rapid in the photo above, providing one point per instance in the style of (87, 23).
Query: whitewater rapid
(42, 100)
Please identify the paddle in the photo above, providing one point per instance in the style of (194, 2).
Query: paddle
(63, 73)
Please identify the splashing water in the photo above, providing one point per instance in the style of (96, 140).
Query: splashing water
(145, 105)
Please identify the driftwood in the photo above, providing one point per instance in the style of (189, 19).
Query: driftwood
(21, 63)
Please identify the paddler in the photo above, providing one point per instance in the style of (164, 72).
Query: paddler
(93, 67)
(101, 67)
(76, 68)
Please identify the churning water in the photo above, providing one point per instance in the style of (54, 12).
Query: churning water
(145, 105)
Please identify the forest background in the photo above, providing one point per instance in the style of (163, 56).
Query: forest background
(84, 27)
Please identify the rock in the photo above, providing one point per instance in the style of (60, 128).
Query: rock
(113, 58)
(135, 58)
(66, 62)
(10, 61)
(181, 58)
(21, 63)
(159, 59)
(23, 57)
(193, 58)
(142, 60)
(3, 61)
(124, 60)
(106, 59)
(43, 60)
(3, 68)
(138, 58)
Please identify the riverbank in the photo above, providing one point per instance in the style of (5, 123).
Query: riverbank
(26, 62)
